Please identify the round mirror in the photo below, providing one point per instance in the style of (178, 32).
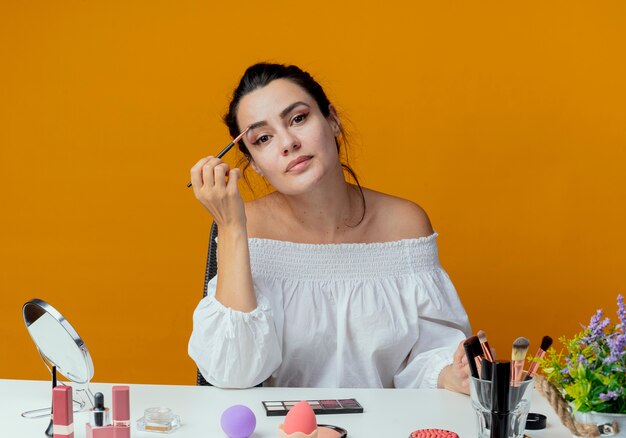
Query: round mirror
(57, 341)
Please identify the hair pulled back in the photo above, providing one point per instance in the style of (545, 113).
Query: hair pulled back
(261, 74)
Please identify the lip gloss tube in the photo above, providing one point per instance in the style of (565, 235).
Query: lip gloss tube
(121, 411)
(62, 412)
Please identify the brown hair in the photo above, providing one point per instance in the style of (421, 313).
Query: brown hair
(261, 74)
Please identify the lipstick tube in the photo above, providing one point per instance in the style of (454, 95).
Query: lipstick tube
(62, 412)
(121, 411)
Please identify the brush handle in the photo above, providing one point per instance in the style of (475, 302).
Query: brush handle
(500, 425)
(228, 147)
(501, 381)
(484, 396)
(486, 367)
(517, 367)
(471, 360)
(500, 415)
(478, 360)
(534, 366)
(220, 155)
(487, 351)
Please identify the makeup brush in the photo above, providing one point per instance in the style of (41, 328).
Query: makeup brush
(486, 369)
(478, 352)
(228, 146)
(518, 354)
(482, 336)
(546, 343)
(471, 356)
(500, 403)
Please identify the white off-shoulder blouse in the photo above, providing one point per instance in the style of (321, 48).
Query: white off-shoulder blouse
(334, 315)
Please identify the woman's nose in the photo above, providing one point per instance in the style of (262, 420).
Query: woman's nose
(290, 143)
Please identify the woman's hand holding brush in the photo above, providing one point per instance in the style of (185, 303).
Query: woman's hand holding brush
(215, 185)
(455, 377)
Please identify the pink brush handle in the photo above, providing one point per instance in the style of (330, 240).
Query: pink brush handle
(534, 366)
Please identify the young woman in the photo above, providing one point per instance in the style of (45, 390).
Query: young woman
(320, 283)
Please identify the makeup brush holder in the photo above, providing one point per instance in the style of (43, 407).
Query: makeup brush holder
(514, 422)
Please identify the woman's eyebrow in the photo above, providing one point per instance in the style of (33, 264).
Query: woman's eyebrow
(287, 110)
(282, 114)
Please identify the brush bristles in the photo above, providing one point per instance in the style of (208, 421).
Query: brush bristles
(473, 343)
(546, 343)
(520, 347)
(482, 336)
(239, 137)
(469, 341)
(477, 347)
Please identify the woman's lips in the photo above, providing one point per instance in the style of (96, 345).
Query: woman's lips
(299, 164)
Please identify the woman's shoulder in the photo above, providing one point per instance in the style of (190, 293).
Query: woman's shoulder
(395, 218)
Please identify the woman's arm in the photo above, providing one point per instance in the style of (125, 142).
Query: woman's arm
(436, 360)
(234, 340)
(215, 185)
(234, 283)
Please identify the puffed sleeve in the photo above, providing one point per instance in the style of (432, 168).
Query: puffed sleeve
(442, 325)
(234, 349)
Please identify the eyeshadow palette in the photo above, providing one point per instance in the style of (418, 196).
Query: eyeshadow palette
(320, 407)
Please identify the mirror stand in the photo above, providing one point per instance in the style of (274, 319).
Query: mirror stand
(83, 397)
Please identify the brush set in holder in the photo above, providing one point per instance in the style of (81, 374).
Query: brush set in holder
(500, 391)
(501, 405)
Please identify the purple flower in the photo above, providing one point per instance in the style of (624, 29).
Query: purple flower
(621, 312)
(609, 395)
(596, 327)
(565, 371)
(617, 348)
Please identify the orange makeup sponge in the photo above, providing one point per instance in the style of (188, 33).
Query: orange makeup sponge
(300, 418)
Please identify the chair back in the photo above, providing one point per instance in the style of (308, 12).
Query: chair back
(210, 272)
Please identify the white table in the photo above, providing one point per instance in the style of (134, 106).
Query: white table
(388, 412)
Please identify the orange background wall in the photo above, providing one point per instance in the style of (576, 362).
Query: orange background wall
(506, 121)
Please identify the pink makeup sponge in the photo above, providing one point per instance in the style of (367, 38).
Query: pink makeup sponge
(300, 419)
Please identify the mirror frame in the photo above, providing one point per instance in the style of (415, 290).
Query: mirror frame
(43, 307)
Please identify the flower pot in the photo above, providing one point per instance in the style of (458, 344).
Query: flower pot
(605, 422)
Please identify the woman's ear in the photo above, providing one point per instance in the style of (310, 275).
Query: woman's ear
(333, 119)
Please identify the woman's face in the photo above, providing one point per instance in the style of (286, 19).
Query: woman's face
(291, 143)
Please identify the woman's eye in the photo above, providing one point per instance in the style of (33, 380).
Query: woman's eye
(262, 139)
(299, 118)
